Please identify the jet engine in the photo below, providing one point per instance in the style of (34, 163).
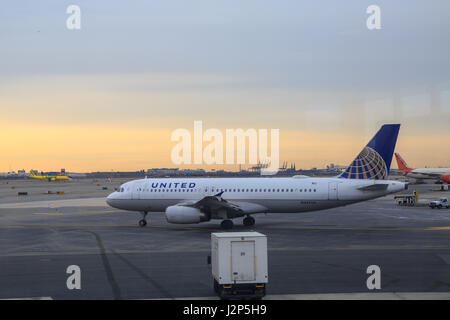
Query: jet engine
(182, 214)
(446, 178)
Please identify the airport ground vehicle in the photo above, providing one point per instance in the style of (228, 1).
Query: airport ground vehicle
(407, 199)
(239, 264)
(440, 203)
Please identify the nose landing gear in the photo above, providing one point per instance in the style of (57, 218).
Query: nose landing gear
(143, 222)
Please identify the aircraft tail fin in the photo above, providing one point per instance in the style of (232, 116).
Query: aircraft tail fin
(402, 165)
(32, 174)
(374, 161)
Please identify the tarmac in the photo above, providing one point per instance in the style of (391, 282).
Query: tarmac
(314, 255)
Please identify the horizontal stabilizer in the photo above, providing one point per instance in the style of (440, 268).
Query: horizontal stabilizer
(375, 187)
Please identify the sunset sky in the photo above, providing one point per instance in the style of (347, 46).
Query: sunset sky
(108, 96)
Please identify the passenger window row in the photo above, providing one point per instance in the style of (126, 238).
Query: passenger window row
(264, 190)
(167, 190)
(227, 190)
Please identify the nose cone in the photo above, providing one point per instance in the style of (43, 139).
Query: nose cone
(110, 199)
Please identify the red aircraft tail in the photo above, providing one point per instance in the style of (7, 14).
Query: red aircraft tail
(402, 164)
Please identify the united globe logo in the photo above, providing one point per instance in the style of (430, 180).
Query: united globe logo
(367, 165)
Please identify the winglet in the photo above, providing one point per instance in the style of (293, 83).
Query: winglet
(219, 194)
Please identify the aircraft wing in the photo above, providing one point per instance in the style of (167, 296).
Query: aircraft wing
(216, 203)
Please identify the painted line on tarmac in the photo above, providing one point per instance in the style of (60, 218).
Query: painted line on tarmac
(207, 249)
(344, 296)
(438, 228)
(109, 226)
(107, 210)
(32, 298)
(77, 202)
(320, 296)
(350, 228)
(50, 213)
(174, 227)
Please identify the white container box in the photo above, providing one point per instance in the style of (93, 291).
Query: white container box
(239, 261)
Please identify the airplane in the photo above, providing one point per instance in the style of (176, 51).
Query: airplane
(49, 178)
(442, 174)
(195, 200)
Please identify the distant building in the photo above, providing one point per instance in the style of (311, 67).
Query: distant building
(163, 171)
(193, 172)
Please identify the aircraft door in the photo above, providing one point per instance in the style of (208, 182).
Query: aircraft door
(332, 191)
(243, 261)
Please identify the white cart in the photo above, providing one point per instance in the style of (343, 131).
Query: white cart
(239, 264)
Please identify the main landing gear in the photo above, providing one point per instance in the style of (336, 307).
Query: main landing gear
(249, 221)
(228, 224)
(143, 222)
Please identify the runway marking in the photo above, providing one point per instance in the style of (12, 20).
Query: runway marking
(70, 225)
(32, 298)
(50, 213)
(212, 229)
(99, 211)
(364, 248)
(345, 296)
(79, 202)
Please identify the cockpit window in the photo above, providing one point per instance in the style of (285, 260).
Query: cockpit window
(122, 189)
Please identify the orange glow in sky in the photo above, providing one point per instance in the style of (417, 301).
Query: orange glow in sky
(90, 123)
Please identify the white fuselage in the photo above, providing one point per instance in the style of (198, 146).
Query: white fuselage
(296, 194)
(428, 173)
